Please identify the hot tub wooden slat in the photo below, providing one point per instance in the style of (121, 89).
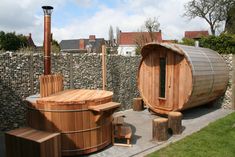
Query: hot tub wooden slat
(76, 96)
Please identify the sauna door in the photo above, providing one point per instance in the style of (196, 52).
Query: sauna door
(166, 77)
(159, 79)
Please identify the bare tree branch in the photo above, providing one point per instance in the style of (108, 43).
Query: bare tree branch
(213, 11)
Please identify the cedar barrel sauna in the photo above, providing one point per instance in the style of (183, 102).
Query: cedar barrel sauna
(82, 116)
(174, 77)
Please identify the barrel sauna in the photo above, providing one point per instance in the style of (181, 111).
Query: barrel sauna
(174, 77)
(75, 114)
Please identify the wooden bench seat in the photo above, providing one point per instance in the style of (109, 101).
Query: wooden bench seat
(99, 110)
(28, 142)
(104, 107)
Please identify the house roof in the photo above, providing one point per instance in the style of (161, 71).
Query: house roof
(74, 44)
(70, 44)
(30, 41)
(195, 34)
(129, 38)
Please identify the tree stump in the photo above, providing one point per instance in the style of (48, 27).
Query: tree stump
(160, 129)
(175, 122)
(138, 104)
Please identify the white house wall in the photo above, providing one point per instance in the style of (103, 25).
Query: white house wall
(126, 50)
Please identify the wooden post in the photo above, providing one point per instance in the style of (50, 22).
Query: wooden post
(104, 66)
(233, 83)
(138, 104)
(175, 122)
(160, 129)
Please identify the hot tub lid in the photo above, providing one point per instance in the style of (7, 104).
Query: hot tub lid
(78, 96)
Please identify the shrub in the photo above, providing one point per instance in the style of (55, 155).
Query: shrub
(187, 41)
(225, 43)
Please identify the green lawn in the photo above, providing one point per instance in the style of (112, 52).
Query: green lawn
(215, 140)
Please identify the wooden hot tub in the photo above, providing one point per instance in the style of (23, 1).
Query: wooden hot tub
(83, 117)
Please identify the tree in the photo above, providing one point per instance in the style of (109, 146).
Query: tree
(111, 37)
(11, 41)
(213, 11)
(117, 35)
(187, 41)
(2, 38)
(140, 41)
(224, 43)
(230, 21)
(23, 41)
(55, 47)
(152, 25)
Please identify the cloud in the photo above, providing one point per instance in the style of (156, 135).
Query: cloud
(129, 15)
(23, 16)
(26, 16)
(86, 3)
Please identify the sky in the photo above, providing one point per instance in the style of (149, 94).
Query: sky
(74, 19)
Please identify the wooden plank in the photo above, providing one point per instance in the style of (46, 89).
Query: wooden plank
(177, 61)
(169, 79)
(94, 133)
(50, 84)
(86, 125)
(77, 96)
(104, 107)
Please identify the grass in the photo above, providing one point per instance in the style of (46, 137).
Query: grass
(215, 140)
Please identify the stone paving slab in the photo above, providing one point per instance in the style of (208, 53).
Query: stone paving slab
(141, 124)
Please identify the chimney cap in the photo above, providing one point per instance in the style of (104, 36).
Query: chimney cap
(47, 10)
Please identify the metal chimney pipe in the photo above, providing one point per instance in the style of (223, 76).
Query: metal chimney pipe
(47, 39)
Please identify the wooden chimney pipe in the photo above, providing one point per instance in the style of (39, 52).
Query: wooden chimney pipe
(47, 39)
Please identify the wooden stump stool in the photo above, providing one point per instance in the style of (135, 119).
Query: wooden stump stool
(175, 122)
(138, 104)
(160, 129)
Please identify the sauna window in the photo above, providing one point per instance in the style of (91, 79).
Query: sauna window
(162, 89)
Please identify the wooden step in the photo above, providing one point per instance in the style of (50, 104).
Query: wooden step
(28, 142)
(104, 107)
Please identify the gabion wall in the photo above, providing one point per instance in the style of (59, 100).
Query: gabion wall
(19, 73)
